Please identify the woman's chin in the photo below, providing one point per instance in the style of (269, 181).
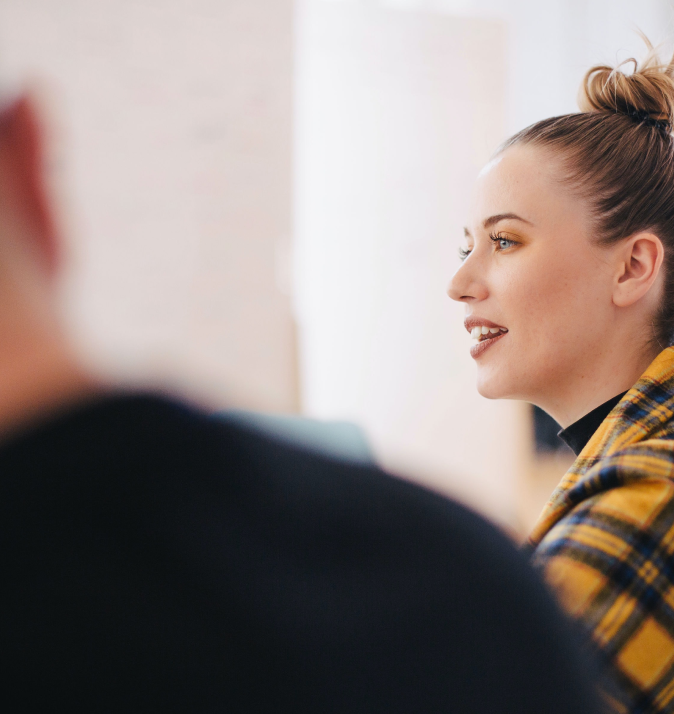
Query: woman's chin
(491, 386)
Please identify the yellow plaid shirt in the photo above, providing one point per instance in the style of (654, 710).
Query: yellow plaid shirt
(605, 542)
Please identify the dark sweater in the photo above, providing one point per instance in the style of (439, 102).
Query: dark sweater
(580, 432)
(155, 560)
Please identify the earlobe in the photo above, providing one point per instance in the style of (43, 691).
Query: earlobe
(640, 262)
(21, 175)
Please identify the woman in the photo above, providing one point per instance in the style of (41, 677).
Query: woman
(568, 282)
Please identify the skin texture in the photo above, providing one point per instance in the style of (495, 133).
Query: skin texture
(38, 372)
(578, 313)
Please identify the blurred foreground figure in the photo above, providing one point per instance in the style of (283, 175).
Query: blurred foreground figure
(154, 559)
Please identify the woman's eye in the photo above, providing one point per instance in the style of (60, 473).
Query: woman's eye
(464, 253)
(502, 243)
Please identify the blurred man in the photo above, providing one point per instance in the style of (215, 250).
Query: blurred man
(154, 559)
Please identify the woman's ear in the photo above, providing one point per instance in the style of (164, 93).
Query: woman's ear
(22, 179)
(639, 263)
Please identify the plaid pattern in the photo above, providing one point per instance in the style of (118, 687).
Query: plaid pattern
(605, 542)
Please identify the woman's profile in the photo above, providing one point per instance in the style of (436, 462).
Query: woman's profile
(568, 282)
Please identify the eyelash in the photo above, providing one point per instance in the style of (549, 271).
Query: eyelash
(496, 238)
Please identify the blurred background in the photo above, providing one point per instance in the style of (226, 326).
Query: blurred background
(263, 202)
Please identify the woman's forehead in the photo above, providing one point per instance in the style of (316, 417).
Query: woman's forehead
(523, 180)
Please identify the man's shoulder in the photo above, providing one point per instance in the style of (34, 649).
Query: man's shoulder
(212, 548)
(130, 456)
(132, 438)
(149, 474)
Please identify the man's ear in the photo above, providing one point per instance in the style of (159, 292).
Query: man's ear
(640, 261)
(22, 179)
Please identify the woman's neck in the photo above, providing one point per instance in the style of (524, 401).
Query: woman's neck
(591, 387)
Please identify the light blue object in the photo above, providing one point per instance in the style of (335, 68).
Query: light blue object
(337, 439)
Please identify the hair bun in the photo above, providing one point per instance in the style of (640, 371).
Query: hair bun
(647, 94)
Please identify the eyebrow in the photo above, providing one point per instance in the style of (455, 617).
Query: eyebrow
(493, 220)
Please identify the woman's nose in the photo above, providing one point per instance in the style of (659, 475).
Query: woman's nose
(465, 286)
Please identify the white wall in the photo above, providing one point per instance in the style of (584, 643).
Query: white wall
(176, 156)
(552, 43)
(396, 112)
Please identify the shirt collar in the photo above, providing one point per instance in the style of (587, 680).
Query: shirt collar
(580, 432)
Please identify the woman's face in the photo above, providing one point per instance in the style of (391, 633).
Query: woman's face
(534, 276)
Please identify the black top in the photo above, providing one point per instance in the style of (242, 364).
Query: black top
(156, 560)
(581, 431)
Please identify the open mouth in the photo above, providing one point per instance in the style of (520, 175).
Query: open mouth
(485, 334)
(481, 333)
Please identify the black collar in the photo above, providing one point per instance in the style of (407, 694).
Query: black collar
(580, 432)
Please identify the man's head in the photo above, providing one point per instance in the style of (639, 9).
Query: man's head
(38, 372)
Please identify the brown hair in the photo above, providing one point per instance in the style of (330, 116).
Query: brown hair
(618, 153)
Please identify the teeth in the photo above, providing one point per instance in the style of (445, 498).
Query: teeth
(477, 332)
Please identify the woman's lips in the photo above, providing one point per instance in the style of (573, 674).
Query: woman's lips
(479, 348)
